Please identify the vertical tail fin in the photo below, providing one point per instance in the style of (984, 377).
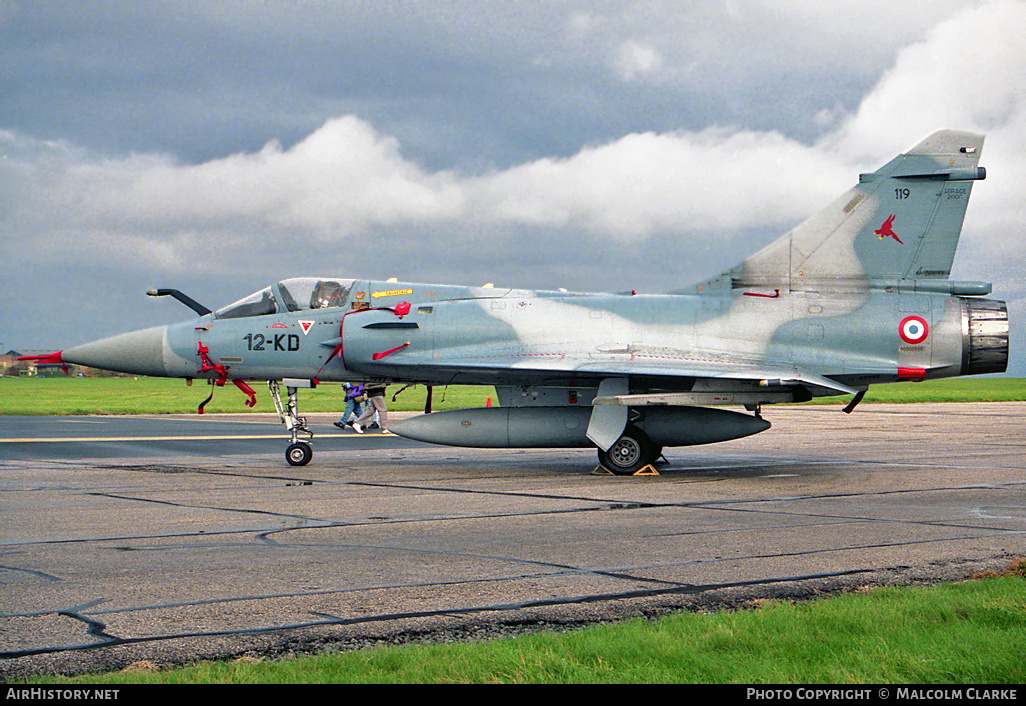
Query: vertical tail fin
(902, 221)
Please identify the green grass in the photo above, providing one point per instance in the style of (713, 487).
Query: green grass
(967, 389)
(972, 632)
(142, 395)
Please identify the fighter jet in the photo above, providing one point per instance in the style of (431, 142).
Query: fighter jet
(857, 294)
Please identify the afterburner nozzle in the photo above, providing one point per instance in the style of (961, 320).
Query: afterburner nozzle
(138, 353)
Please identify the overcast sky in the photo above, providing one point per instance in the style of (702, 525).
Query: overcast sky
(216, 147)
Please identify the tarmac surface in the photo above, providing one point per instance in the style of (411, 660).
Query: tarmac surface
(167, 539)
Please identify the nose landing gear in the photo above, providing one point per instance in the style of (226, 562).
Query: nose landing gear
(299, 452)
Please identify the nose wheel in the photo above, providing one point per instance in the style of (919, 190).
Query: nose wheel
(299, 452)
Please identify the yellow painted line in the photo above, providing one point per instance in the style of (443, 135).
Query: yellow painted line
(189, 437)
(79, 439)
(87, 439)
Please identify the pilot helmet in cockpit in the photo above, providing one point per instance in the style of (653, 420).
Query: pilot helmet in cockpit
(326, 293)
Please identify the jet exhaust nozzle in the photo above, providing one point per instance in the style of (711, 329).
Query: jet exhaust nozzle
(985, 336)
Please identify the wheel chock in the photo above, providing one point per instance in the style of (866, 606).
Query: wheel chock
(646, 470)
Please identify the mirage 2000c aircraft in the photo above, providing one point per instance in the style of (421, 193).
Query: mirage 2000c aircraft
(857, 294)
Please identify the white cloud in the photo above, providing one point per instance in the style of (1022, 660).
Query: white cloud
(636, 59)
(646, 183)
(345, 179)
(341, 179)
(965, 73)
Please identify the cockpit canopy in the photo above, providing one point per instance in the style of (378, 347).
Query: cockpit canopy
(296, 294)
(258, 304)
(301, 293)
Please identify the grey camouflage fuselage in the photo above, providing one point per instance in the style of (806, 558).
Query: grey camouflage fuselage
(857, 294)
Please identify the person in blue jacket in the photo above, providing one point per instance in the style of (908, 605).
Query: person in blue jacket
(356, 402)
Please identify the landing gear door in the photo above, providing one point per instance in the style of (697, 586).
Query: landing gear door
(608, 421)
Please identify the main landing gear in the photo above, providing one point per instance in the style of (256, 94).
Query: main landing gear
(632, 452)
(299, 452)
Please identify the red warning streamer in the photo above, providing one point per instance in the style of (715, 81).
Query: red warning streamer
(204, 354)
(390, 351)
(48, 359)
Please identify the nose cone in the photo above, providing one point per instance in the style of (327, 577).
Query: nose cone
(138, 352)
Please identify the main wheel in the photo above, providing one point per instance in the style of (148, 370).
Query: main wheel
(299, 453)
(631, 452)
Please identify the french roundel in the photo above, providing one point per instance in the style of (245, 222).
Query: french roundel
(913, 329)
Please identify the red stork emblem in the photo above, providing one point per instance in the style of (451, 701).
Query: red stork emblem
(887, 229)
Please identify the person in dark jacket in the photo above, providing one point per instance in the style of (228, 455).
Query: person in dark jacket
(375, 403)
